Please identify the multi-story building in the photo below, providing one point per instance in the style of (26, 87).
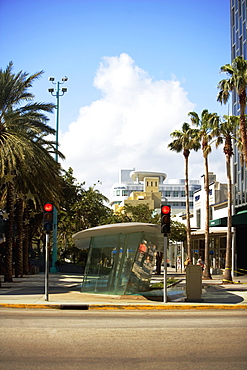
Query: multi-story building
(238, 9)
(218, 210)
(217, 202)
(239, 48)
(138, 187)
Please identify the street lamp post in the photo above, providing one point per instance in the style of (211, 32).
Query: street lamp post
(57, 94)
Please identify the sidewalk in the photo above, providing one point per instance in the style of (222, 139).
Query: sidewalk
(64, 293)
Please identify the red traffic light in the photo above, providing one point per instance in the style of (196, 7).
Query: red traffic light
(48, 207)
(165, 219)
(165, 210)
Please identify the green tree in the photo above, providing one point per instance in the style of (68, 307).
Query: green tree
(185, 141)
(140, 213)
(204, 125)
(80, 209)
(237, 81)
(225, 132)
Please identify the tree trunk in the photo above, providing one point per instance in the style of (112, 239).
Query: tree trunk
(19, 239)
(9, 233)
(206, 272)
(25, 241)
(242, 124)
(188, 230)
(227, 276)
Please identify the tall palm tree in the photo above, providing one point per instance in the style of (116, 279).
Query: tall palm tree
(185, 141)
(23, 150)
(204, 125)
(237, 82)
(225, 132)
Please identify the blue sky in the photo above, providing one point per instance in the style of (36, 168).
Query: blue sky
(135, 68)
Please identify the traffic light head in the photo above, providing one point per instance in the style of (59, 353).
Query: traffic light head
(165, 218)
(48, 217)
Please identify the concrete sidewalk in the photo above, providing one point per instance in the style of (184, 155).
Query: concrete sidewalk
(64, 293)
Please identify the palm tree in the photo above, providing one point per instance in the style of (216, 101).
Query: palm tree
(204, 124)
(225, 133)
(23, 150)
(237, 82)
(185, 141)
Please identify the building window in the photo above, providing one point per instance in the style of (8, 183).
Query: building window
(198, 218)
(167, 193)
(210, 213)
(125, 193)
(175, 194)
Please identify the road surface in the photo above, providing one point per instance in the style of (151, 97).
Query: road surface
(110, 340)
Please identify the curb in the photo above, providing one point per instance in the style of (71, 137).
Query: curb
(126, 306)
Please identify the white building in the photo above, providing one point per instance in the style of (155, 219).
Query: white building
(172, 192)
(217, 202)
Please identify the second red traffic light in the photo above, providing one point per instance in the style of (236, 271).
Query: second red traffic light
(165, 219)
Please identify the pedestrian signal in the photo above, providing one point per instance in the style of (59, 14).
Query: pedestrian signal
(48, 217)
(165, 219)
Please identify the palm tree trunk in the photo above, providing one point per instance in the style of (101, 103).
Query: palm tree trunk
(206, 272)
(19, 239)
(227, 276)
(9, 233)
(188, 231)
(25, 242)
(242, 124)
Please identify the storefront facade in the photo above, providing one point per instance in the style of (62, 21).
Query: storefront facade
(217, 249)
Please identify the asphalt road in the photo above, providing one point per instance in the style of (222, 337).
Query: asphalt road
(54, 339)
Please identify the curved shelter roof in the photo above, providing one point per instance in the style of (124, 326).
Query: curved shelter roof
(128, 227)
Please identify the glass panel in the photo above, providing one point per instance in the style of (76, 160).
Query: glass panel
(99, 263)
(121, 263)
(125, 263)
(139, 279)
(109, 260)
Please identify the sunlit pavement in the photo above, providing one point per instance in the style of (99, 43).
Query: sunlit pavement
(64, 292)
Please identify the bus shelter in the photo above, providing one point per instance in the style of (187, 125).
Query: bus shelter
(121, 257)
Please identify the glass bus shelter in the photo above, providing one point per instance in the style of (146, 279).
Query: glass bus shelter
(121, 257)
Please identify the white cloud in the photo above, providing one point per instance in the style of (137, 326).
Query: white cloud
(129, 127)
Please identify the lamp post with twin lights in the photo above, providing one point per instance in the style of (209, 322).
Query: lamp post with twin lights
(57, 93)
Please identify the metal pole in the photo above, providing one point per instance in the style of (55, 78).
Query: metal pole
(57, 119)
(54, 235)
(47, 267)
(165, 268)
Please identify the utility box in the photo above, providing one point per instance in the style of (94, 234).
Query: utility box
(194, 283)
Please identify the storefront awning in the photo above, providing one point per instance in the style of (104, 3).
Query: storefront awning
(218, 222)
(240, 219)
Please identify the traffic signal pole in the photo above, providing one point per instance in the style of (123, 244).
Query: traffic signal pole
(165, 268)
(165, 229)
(47, 266)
